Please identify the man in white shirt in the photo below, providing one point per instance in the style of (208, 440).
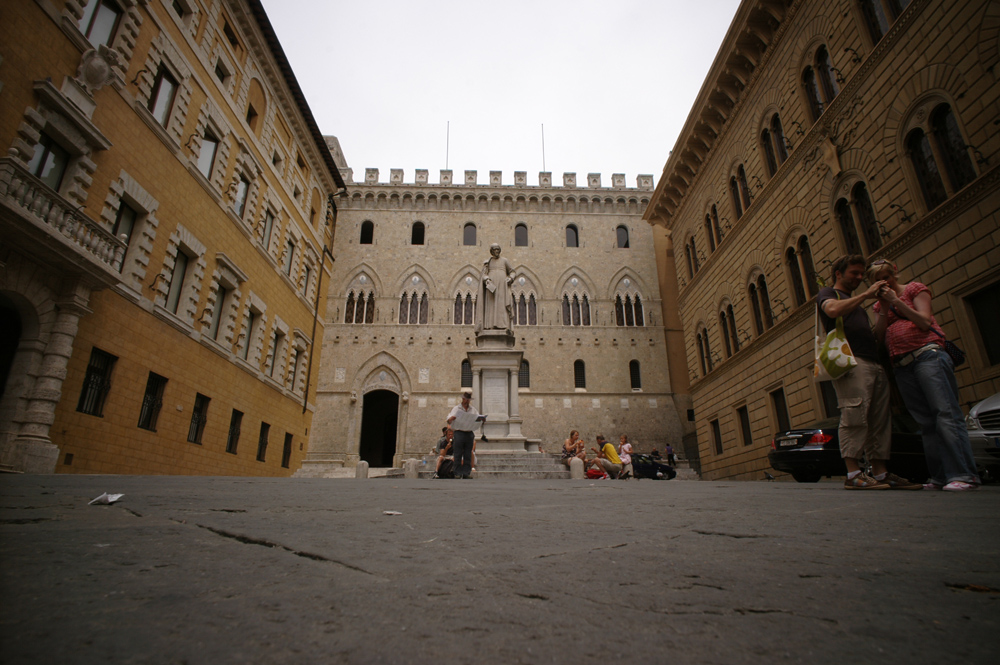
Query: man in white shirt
(463, 420)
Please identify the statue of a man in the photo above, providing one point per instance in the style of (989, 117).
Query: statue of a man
(495, 305)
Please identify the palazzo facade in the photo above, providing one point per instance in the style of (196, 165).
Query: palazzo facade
(401, 312)
(827, 128)
(165, 214)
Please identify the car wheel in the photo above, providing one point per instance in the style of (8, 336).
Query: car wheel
(806, 477)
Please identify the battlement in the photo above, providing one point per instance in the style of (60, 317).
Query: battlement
(446, 179)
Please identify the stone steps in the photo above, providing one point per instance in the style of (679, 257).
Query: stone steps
(508, 465)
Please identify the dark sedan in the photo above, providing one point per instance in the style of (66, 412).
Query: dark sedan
(812, 452)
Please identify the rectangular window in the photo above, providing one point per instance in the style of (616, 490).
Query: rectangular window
(289, 254)
(744, 417)
(524, 375)
(268, 228)
(251, 327)
(466, 374)
(206, 158)
(161, 100)
(49, 162)
(279, 351)
(296, 356)
(985, 305)
(177, 281)
(220, 305)
(125, 223)
(262, 441)
(179, 9)
(780, 405)
(152, 400)
(96, 383)
(286, 451)
(220, 72)
(100, 17)
(199, 416)
(306, 274)
(233, 440)
(241, 196)
(717, 437)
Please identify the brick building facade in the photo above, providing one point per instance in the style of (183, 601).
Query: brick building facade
(823, 128)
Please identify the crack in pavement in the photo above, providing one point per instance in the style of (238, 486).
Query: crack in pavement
(267, 543)
(729, 535)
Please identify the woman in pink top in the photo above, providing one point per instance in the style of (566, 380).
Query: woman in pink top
(925, 376)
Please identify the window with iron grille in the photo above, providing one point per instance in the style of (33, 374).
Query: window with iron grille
(634, 375)
(96, 383)
(265, 429)
(524, 375)
(466, 374)
(233, 440)
(286, 451)
(579, 374)
(199, 416)
(152, 400)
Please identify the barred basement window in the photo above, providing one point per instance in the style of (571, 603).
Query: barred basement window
(466, 374)
(96, 383)
(634, 376)
(524, 375)
(286, 451)
(199, 416)
(262, 441)
(579, 374)
(233, 440)
(152, 401)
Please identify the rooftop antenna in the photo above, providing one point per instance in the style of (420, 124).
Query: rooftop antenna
(447, 146)
(543, 146)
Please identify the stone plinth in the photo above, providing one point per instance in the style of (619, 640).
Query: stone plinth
(495, 365)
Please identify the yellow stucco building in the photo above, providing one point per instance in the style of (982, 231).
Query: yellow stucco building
(166, 205)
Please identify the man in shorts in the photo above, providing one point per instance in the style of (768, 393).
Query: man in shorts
(862, 393)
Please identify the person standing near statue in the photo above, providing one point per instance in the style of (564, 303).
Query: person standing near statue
(463, 419)
(495, 305)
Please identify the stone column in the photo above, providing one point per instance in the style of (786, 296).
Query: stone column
(34, 451)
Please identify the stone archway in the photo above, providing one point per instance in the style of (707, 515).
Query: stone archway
(379, 414)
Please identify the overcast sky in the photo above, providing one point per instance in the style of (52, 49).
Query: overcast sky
(612, 82)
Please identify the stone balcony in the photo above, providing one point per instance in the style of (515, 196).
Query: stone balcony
(42, 224)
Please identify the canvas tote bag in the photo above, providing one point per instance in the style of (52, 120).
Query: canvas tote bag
(833, 357)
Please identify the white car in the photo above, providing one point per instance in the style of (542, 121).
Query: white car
(983, 423)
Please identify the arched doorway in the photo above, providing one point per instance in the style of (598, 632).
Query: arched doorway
(379, 413)
(10, 336)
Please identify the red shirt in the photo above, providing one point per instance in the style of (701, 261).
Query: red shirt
(902, 335)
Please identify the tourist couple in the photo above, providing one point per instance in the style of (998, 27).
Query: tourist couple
(923, 370)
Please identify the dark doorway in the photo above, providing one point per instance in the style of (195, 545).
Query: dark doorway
(378, 427)
(10, 336)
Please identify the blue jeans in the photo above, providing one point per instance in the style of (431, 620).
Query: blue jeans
(930, 392)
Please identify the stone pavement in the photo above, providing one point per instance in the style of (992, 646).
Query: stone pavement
(244, 570)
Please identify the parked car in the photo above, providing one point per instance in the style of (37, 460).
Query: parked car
(813, 452)
(983, 423)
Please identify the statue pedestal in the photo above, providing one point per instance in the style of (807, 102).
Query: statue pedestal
(495, 365)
